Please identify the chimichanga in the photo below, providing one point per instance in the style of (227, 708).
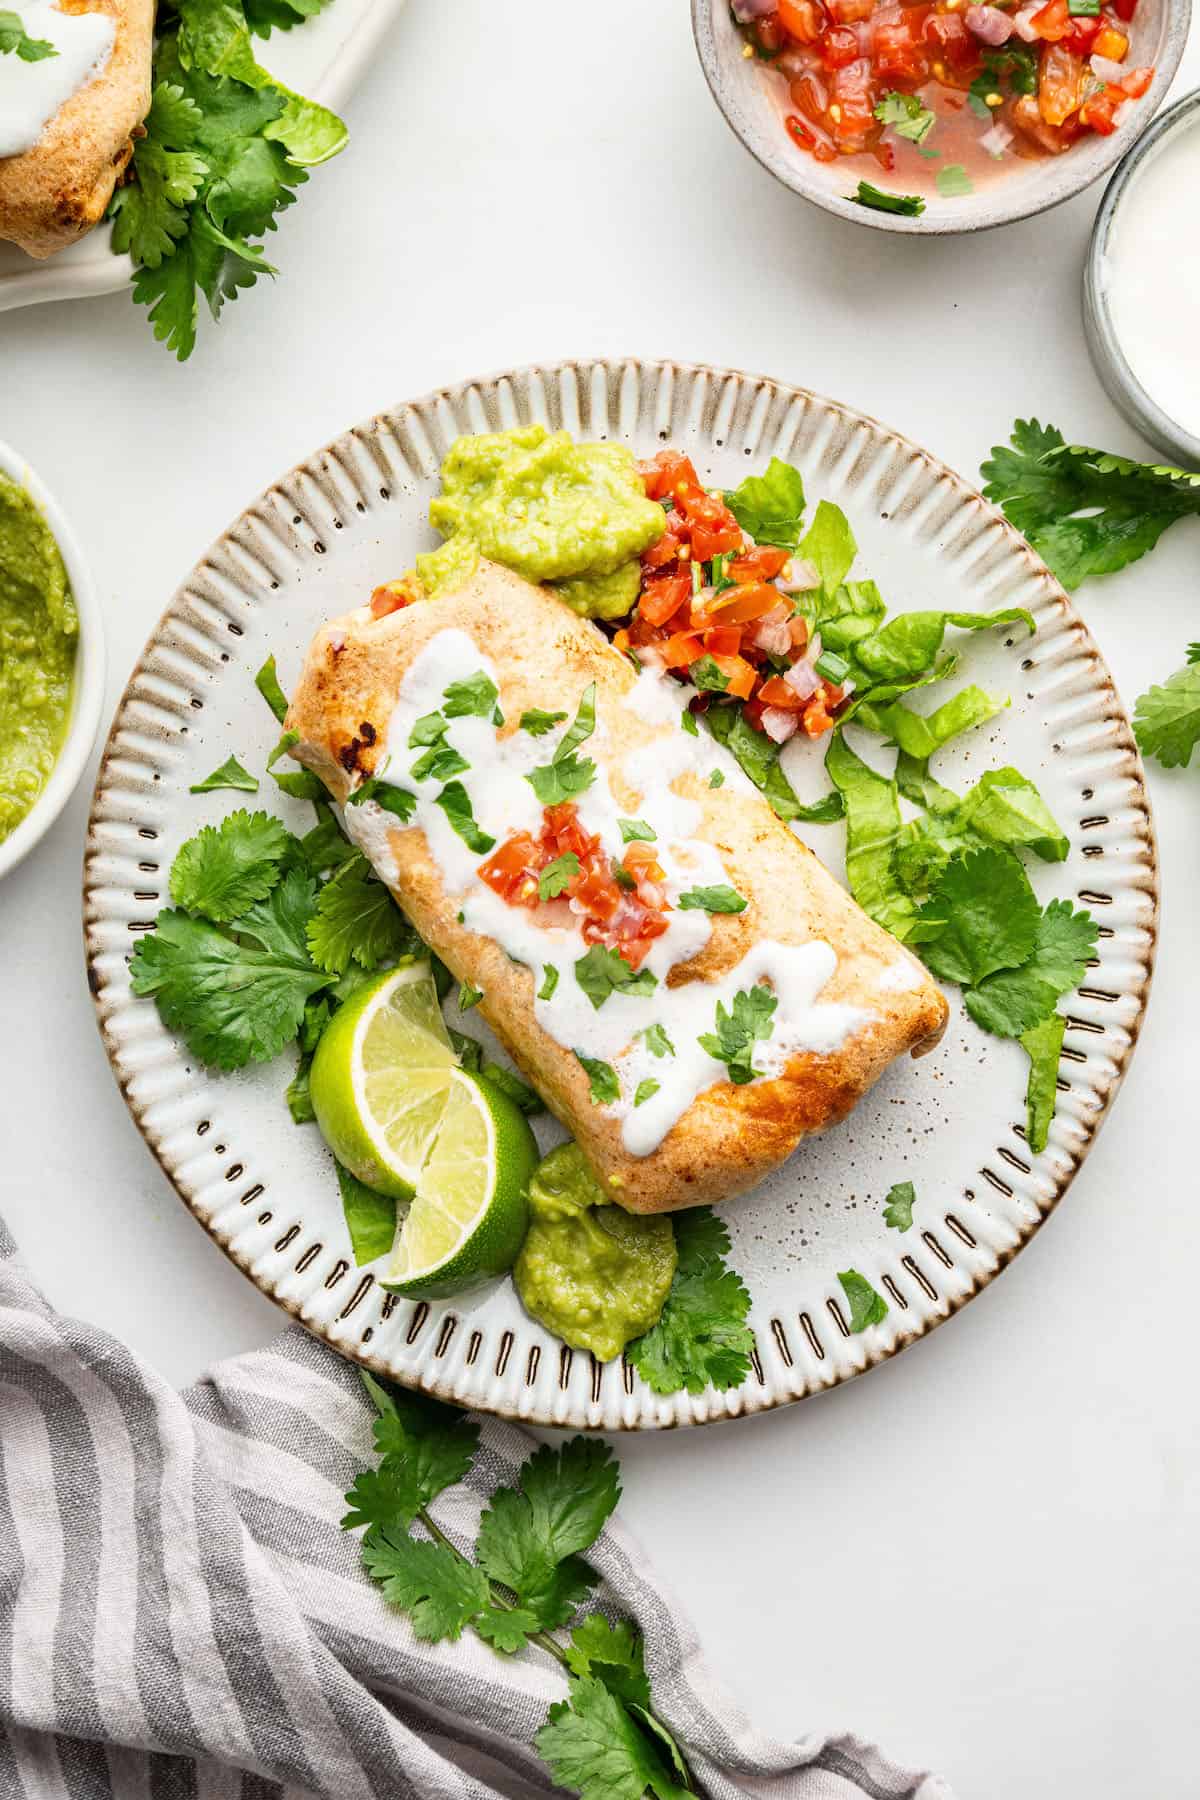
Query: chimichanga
(756, 1001)
(68, 120)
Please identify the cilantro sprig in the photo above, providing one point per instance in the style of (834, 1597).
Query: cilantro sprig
(702, 1338)
(567, 773)
(747, 1022)
(523, 1582)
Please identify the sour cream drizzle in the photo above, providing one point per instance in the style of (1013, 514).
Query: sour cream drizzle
(31, 93)
(503, 802)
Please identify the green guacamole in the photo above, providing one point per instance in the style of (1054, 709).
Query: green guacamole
(553, 510)
(38, 634)
(593, 1274)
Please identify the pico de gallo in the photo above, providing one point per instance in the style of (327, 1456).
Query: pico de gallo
(723, 612)
(944, 94)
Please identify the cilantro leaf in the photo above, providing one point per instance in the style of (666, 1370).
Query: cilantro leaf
(226, 867)
(549, 982)
(149, 213)
(907, 114)
(438, 1590)
(527, 1099)
(1011, 1002)
(770, 506)
(657, 1042)
(636, 831)
(232, 1002)
(370, 1217)
(1166, 722)
(424, 1447)
(473, 698)
(395, 800)
(469, 996)
(898, 1207)
(230, 775)
(15, 40)
(613, 1653)
(705, 674)
(593, 1745)
(537, 722)
(581, 728)
(646, 1090)
(506, 1628)
(558, 781)
(1086, 512)
(430, 728)
(267, 683)
(749, 1020)
(1043, 1044)
(531, 1535)
(953, 181)
(325, 846)
(439, 763)
(455, 802)
(981, 917)
(356, 920)
(911, 205)
(601, 972)
(702, 1338)
(687, 722)
(558, 875)
(866, 1306)
(721, 899)
(602, 1079)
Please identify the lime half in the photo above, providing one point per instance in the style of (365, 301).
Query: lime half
(380, 1079)
(468, 1219)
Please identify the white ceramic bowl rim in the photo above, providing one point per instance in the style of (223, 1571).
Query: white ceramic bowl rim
(87, 693)
(1121, 384)
(1061, 177)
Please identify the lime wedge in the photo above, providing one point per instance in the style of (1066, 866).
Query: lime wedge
(468, 1219)
(380, 1079)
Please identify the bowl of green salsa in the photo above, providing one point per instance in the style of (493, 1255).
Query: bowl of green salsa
(51, 660)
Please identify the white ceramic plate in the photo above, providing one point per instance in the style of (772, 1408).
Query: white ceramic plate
(324, 58)
(352, 516)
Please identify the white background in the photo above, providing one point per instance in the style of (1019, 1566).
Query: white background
(984, 1554)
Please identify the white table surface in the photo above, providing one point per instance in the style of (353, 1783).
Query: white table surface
(984, 1554)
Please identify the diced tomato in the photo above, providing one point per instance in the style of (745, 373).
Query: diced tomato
(722, 640)
(802, 133)
(1054, 21)
(852, 103)
(801, 19)
(739, 605)
(739, 676)
(1125, 9)
(899, 55)
(1111, 43)
(1099, 111)
(1136, 82)
(667, 548)
(809, 93)
(776, 692)
(839, 46)
(817, 716)
(1080, 37)
(1053, 138)
(513, 869)
(948, 34)
(760, 564)
(1060, 84)
(390, 598)
(682, 648)
(713, 527)
(662, 599)
(850, 12)
(667, 472)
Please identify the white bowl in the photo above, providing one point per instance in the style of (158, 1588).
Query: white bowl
(87, 690)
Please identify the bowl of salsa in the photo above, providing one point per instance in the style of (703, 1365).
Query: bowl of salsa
(51, 660)
(939, 115)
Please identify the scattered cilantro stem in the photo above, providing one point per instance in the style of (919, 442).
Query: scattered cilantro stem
(502, 1597)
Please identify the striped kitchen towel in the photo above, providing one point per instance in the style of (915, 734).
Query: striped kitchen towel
(181, 1615)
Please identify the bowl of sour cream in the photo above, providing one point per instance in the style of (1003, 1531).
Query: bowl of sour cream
(51, 660)
(1142, 285)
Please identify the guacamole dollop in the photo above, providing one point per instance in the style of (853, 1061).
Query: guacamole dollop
(38, 634)
(552, 510)
(593, 1274)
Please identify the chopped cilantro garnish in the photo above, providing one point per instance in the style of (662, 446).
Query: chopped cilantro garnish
(549, 982)
(750, 1020)
(395, 800)
(707, 677)
(722, 899)
(622, 877)
(602, 1079)
(15, 40)
(656, 1041)
(633, 830)
(473, 698)
(267, 683)
(566, 774)
(602, 972)
(687, 722)
(468, 996)
(230, 774)
(455, 802)
(429, 729)
(556, 876)
(716, 779)
(646, 1090)
(866, 1306)
(439, 763)
(910, 205)
(898, 1207)
(953, 181)
(907, 114)
(537, 723)
(702, 1339)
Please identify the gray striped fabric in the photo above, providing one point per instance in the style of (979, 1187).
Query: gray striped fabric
(181, 1617)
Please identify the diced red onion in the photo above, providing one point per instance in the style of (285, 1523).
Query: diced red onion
(802, 678)
(650, 656)
(747, 11)
(1122, 113)
(798, 576)
(989, 24)
(1106, 70)
(996, 140)
(779, 724)
(1023, 24)
(772, 635)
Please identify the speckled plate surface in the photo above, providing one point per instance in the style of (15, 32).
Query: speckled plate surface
(353, 515)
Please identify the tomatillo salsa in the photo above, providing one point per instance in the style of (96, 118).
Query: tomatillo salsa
(39, 630)
(946, 95)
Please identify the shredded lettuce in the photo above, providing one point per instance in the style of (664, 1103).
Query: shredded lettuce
(872, 831)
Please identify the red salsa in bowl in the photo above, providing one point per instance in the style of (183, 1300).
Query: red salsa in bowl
(942, 96)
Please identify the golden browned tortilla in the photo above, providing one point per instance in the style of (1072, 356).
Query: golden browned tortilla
(544, 656)
(53, 194)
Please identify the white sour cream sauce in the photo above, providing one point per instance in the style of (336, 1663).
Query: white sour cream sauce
(31, 93)
(503, 802)
(1152, 277)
